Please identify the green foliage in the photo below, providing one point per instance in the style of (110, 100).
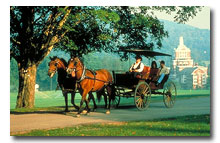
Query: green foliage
(88, 30)
(93, 29)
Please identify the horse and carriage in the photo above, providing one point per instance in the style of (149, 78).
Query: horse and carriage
(115, 85)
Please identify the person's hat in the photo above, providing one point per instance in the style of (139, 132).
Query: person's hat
(138, 57)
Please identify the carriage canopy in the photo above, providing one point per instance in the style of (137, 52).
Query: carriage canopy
(146, 53)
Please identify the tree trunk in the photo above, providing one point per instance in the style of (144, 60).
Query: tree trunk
(26, 91)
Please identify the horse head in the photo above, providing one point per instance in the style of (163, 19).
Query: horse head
(54, 65)
(74, 65)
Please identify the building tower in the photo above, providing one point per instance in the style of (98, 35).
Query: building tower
(182, 56)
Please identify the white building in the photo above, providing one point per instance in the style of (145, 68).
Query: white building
(37, 87)
(182, 56)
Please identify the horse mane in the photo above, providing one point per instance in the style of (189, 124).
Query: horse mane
(62, 60)
(81, 61)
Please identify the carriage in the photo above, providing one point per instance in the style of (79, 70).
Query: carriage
(141, 88)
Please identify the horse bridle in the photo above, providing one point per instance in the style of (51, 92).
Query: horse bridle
(54, 71)
(74, 70)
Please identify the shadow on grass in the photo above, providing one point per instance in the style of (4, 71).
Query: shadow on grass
(43, 110)
(50, 110)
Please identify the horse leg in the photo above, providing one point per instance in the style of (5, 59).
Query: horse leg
(91, 96)
(109, 102)
(84, 93)
(87, 105)
(66, 101)
(105, 98)
(72, 100)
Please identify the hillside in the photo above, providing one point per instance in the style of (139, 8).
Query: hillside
(198, 40)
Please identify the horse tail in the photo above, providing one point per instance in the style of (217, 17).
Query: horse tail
(99, 95)
(112, 86)
(113, 92)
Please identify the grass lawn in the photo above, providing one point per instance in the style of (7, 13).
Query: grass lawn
(197, 125)
(54, 100)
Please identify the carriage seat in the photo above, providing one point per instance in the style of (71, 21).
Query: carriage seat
(153, 74)
(153, 85)
(166, 77)
(145, 73)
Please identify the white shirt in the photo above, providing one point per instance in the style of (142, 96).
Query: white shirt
(164, 70)
(135, 65)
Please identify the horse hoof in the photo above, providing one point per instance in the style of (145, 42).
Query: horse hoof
(76, 107)
(84, 112)
(77, 115)
(107, 112)
(66, 111)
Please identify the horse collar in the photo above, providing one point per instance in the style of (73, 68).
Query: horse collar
(83, 75)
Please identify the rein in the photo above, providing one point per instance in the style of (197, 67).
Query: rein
(87, 77)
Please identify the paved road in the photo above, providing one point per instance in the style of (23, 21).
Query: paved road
(26, 122)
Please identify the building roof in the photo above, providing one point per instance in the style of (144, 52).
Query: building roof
(188, 71)
(181, 45)
(204, 69)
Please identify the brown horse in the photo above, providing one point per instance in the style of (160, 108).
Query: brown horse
(90, 81)
(67, 84)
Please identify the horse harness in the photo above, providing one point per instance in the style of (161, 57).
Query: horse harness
(83, 76)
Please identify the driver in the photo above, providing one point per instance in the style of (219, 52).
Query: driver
(137, 67)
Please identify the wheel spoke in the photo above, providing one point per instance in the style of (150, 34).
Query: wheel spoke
(141, 103)
(142, 96)
(139, 94)
(146, 91)
(169, 94)
(145, 101)
(138, 100)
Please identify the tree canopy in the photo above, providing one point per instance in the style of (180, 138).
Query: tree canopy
(112, 28)
(87, 29)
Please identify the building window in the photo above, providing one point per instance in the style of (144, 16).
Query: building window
(203, 79)
(184, 79)
(195, 79)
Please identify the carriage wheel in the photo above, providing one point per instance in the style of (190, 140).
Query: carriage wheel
(169, 94)
(142, 96)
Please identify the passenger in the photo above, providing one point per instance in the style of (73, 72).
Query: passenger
(163, 71)
(137, 67)
(154, 72)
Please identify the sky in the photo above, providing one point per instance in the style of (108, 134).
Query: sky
(201, 20)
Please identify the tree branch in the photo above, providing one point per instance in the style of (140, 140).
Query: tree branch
(18, 43)
(16, 23)
(52, 40)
